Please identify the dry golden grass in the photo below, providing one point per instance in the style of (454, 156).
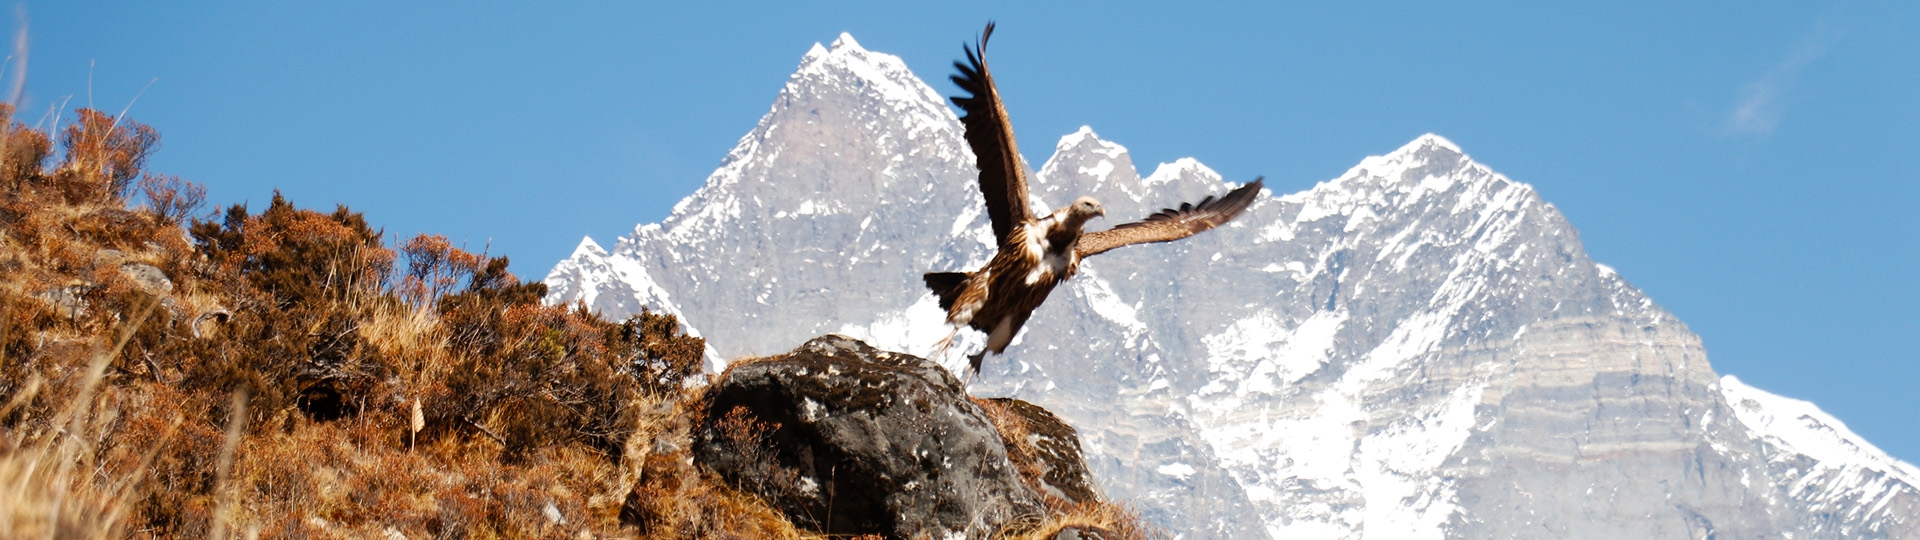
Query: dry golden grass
(145, 442)
(46, 491)
(55, 481)
(1116, 521)
(1112, 521)
(665, 496)
(1018, 439)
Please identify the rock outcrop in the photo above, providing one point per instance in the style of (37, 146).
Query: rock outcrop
(848, 439)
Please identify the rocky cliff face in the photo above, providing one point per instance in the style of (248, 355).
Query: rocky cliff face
(1419, 348)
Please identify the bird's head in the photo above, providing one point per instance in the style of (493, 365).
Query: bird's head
(1085, 208)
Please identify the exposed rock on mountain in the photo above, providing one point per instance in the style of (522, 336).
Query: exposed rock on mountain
(1418, 348)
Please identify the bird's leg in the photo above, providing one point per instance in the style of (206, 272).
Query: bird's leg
(973, 365)
(940, 349)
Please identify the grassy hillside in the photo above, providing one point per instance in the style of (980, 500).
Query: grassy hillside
(286, 373)
(166, 371)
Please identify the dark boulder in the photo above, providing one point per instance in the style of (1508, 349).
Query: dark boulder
(848, 439)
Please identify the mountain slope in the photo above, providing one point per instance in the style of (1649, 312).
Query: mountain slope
(1420, 348)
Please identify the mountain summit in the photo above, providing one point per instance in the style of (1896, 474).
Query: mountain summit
(1419, 348)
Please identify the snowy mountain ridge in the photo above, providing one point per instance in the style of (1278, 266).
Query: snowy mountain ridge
(1801, 427)
(1844, 470)
(1418, 348)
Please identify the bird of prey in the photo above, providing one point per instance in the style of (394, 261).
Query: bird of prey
(1038, 252)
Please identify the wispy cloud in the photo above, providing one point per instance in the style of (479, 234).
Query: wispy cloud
(1757, 112)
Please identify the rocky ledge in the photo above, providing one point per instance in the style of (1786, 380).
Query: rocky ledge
(847, 439)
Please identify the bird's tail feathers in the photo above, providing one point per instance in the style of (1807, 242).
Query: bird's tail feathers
(946, 285)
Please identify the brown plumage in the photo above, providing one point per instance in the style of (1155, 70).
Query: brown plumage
(1037, 253)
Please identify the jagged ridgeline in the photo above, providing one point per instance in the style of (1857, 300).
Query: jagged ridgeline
(1419, 347)
(171, 372)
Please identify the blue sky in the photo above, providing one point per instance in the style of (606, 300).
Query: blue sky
(1750, 165)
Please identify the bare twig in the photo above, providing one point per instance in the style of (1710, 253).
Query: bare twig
(483, 429)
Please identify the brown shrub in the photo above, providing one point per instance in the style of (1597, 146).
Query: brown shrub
(171, 199)
(23, 153)
(104, 155)
(670, 498)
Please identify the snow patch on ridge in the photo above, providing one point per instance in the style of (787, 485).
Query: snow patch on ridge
(1100, 296)
(1846, 468)
(588, 248)
(1278, 357)
(605, 283)
(1802, 427)
(1091, 157)
(917, 330)
(912, 330)
(1405, 499)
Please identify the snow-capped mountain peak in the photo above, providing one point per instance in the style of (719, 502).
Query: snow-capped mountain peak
(1430, 140)
(1085, 164)
(883, 75)
(1185, 167)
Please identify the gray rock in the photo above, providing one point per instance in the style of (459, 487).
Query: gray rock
(108, 257)
(149, 279)
(69, 302)
(848, 439)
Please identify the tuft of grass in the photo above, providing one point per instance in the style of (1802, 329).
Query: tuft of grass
(670, 498)
(1116, 521)
(1110, 520)
(1017, 437)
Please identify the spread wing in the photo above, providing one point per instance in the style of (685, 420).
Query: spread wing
(1172, 224)
(1003, 177)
